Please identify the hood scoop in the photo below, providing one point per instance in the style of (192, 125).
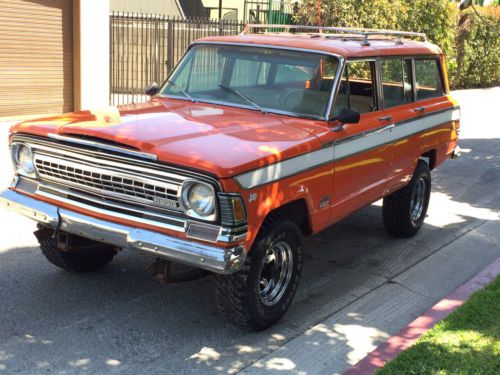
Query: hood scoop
(99, 141)
(103, 144)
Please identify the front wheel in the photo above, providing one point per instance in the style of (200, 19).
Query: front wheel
(95, 256)
(404, 210)
(260, 293)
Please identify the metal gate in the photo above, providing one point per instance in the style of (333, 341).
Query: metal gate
(145, 48)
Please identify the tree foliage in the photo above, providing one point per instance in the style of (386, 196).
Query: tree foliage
(437, 18)
(478, 49)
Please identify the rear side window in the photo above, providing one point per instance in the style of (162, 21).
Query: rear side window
(428, 79)
(396, 82)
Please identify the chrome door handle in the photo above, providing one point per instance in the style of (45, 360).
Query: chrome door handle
(383, 129)
(385, 118)
(419, 109)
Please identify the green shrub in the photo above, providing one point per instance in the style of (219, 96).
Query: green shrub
(471, 50)
(438, 19)
(478, 49)
(353, 13)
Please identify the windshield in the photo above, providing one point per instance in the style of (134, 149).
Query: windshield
(265, 79)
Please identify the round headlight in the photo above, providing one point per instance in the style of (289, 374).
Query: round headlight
(25, 160)
(201, 199)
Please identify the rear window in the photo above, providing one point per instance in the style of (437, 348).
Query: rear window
(428, 79)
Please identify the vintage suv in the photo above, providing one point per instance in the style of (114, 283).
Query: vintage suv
(253, 142)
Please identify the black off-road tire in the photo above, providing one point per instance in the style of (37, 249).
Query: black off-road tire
(75, 262)
(238, 295)
(397, 207)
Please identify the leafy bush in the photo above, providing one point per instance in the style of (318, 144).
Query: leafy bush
(471, 50)
(478, 49)
(438, 19)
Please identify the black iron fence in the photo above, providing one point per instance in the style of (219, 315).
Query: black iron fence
(145, 48)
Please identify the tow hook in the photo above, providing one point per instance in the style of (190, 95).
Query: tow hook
(166, 271)
(457, 152)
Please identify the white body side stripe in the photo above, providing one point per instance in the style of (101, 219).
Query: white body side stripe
(285, 168)
(345, 148)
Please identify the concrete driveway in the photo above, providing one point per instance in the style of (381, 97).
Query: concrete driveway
(359, 286)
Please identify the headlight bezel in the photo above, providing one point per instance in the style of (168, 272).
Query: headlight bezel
(187, 206)
(19, 169)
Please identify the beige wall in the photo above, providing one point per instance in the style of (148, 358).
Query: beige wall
(163, 7)
(91, 53)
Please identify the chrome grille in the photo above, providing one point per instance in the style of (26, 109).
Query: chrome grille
(117, 184)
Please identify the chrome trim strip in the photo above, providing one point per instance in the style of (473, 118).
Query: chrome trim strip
(108, 163)
(46, 188)
(41, 212)
(60, 161)
(111, 213)
(345, 148)
(211, 258)
(103, 146)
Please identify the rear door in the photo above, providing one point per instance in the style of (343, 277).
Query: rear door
(361, 152)
(413, 91)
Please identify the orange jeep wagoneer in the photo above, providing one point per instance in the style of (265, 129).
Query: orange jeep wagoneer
(253, 142)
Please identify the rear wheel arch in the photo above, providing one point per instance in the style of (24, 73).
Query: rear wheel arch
(430, 157)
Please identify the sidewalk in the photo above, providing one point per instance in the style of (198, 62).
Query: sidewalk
(342, 340)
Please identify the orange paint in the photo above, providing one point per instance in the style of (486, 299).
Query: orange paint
(226, 141)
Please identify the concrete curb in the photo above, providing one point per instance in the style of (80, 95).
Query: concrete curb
(412, 332)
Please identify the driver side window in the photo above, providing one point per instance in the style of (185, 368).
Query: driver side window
(357, 88)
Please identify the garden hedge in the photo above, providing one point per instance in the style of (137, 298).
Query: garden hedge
(471, 43)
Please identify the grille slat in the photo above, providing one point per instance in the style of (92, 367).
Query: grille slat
(108, 182)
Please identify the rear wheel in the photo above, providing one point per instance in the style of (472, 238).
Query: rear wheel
(90, 257)
(404, 210)
(260, 293)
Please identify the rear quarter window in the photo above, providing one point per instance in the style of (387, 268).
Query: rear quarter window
(428, 79)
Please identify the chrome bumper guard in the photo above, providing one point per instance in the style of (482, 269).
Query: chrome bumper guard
(211, 258)
(457, 152)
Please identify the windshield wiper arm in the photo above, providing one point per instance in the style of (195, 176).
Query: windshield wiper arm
(244, 97)
(183, 92)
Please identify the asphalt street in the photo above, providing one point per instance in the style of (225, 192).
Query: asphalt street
(359, 286)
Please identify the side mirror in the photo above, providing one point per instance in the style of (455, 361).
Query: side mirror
(152, 89)
(346, 116)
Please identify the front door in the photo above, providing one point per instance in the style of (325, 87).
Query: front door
(361, 151)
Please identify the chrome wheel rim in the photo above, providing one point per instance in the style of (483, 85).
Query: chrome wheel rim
(418, 200)
(275, 273)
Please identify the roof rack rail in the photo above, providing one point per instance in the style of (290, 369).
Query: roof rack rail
(334, 31)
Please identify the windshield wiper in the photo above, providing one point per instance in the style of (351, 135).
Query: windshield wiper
(244, 97)
(183, 92)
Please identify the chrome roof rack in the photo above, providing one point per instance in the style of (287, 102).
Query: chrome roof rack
(341, 32)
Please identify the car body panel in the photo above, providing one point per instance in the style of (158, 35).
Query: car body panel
(229, 143)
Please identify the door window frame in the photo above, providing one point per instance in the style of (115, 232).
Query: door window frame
(374, 71)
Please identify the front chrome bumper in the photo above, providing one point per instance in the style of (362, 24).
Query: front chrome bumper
(211, 258)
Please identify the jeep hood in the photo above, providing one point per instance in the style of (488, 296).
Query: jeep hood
(221, 140)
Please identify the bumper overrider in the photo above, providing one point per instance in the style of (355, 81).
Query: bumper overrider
(196, 254)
